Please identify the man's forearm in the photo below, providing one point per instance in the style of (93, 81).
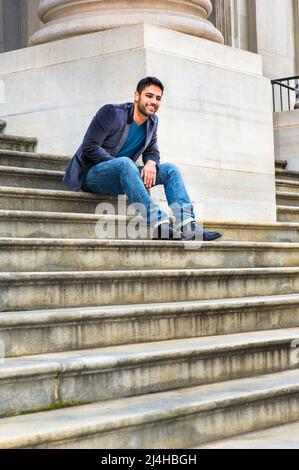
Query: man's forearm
(95, 152)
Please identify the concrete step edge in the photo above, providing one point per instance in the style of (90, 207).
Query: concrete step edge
(36, 155)
(23, 332)
(132, 355)
(281, 208)
(287, 194)
(148, 309)
(287, 182)
(16, 138)
(104, 276)
(279, 172)
(276, 437)
(54, 194)
(65, 216)
(46, 278)
(73, 215)
(62, 315)
(32, 243)
(257, 225)
(15, 170)
(71, 423)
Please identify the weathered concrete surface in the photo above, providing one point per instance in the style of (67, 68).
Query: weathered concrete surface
(279, 437)
(54, 330)
(186, 417)
(38, 290)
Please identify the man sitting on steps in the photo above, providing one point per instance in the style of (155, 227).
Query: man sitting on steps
(105, 163)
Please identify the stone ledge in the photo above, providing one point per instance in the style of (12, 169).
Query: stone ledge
(143, 419)
(67, 329)
(130, 37)
(121, 371)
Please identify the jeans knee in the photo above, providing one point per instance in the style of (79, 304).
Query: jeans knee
(169, 168)
(127, 164)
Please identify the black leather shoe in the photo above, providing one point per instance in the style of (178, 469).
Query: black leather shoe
(167, 232)
(210, 236)
(194, 231)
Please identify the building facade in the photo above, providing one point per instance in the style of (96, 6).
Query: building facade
(215, 58)
(268, 27)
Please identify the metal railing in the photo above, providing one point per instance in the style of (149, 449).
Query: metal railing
(286, 91)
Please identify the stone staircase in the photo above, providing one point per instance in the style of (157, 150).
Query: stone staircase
(123, 343)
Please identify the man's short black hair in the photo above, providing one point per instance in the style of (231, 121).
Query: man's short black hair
(148, 81)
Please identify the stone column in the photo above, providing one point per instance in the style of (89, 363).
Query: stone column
(11, 25)
(296, 31)
(222, 19)
(66, 18)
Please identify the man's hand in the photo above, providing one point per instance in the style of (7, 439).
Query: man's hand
(149, 173)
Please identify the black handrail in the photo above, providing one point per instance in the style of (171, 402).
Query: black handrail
(280, 82)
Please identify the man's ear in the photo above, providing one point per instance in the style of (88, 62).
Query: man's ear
(136, 96)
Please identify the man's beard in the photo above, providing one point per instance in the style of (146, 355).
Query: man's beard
(143, 110)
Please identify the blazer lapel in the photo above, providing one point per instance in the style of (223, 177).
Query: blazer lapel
(123, 138)
(149, 132)
(126, 131)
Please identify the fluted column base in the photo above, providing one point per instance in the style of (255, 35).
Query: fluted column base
(63, 20)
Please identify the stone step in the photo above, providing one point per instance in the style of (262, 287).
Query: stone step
(174, 419)
(277, 437)
(56, 330)
(36, 224)
(87, 376)
(58, 225)
(14, 158)
(2, 125)
(13, 142)
(281, 164)
(31, 178)
(49, 200)
(287, 199)
(43, 290)
(259, 232)
(287, 175)
(39, 254)
(287, 186)
(288, 214)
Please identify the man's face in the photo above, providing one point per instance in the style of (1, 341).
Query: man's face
(149, 101)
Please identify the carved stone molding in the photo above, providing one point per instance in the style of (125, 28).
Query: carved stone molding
(66, 18)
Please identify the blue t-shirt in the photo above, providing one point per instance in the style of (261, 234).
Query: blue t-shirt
(134, 141)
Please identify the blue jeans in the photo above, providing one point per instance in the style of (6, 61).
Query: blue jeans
(122, 176)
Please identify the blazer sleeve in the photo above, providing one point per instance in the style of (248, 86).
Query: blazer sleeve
(99, 128)
(152, 152)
